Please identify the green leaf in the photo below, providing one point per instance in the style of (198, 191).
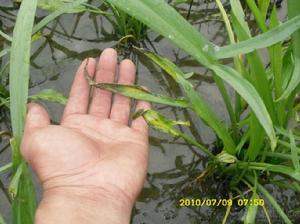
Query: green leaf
(260, 20)
(15, 182)
(139, 93)
(159, 122)
(4, 52)
(276, 56)
(258, 77)
(294, 150)
(164, 19)
(272, 201)
(54, 5)
(2, 220)
(238, 11)
(220, 83)
(196, 101)
(224, 157)
(23, 207)
(163, 124)
(49, 95)
(263, 7)
(59, 11)
(188, 75)
(287, 66)
(5, 36)
(282, 169)
(293, 13)
(251, 210)
(248, 92)
(266, 39)
(19, 66)
(5, 167)
(294, 82)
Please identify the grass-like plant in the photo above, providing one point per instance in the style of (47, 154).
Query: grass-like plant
(126, 27)
(261, 138)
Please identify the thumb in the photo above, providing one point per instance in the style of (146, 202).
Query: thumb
(37, 117)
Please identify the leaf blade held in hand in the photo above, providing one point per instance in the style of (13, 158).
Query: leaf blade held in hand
(139, 93)
(196, 101)
(163, 124)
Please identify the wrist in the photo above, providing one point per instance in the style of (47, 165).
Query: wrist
(83, 205)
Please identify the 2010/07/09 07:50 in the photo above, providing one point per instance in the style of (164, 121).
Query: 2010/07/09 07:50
(187, 202)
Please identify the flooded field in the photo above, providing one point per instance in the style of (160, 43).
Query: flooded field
(174, 163)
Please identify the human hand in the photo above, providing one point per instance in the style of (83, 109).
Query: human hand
(93, 162)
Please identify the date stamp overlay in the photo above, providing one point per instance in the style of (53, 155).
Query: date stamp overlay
(213, 202)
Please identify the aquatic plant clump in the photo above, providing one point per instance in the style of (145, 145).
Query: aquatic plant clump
(260, 139)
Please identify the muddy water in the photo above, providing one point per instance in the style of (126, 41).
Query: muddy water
(173, 163)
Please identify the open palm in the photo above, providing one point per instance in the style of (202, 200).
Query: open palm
(94, 147)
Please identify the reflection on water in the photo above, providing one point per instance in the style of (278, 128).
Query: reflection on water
(174, 164)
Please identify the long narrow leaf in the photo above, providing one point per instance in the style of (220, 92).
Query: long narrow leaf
(49, 95)
(19, 66)
(293, 12)
(4, 52)
(5, 167)
(1, 219)
(56, 14)
(139, 93)
(263, 7)
(266, 39)
(54, 5)
(285, 170)
(220, 82)
(238, 11)
(251, 210)
(7, 37)
(260, 20)
(276, 58)
(25, 203)
(294, 154)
